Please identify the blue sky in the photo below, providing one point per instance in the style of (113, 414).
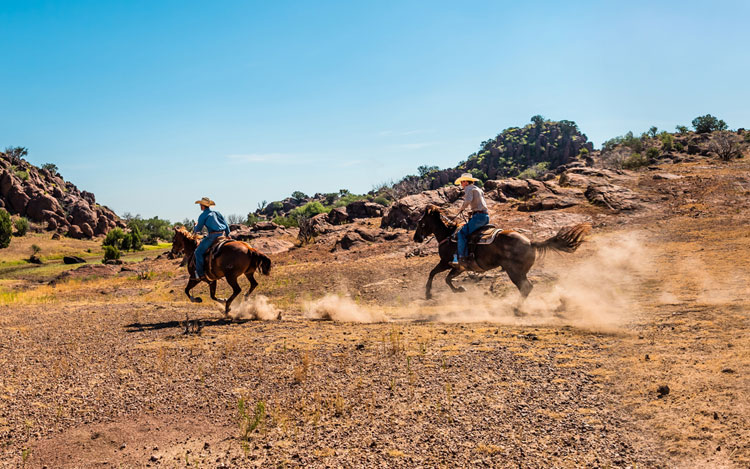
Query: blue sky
(152, 105)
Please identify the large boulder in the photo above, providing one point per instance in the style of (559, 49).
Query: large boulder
(75, 232)
(319, 224)
(349, 239)
(364, 209)
(18, 199)
(81, 213)
(406, 211)
(87, 231)
(614, 197)
(7, 180)
(338, 216)
(38, 207)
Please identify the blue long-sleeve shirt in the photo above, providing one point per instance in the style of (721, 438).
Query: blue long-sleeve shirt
(213, 221)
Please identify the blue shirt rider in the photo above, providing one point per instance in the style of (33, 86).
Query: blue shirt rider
(216, 225)
(473, 199)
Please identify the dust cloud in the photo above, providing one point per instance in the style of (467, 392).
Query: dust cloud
(595, 288)
(343, 309)
(256, 307)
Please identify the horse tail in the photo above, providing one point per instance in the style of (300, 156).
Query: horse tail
(264, 264)
(566, 240)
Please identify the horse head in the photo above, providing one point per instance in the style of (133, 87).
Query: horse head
(428, 224)
(181, 237)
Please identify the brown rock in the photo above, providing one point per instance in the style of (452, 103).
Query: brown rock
(611, 196)
(75, 232)
(405, 212)
(364, 209)
(38, 207)
(18, 199)
(338, 216)
(87, 231)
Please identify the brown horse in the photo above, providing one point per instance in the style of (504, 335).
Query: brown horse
(510, 250)
(234, 258)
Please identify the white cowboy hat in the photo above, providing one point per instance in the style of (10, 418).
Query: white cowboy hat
(466, 177)
(205, 201)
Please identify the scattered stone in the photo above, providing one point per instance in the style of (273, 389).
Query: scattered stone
(73, 259)
(662, 391)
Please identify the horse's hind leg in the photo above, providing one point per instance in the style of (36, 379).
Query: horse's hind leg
(192, 283)
(232, 281)
(520, 281)
(253, 283)
(428, 288)
(449, 280)
(212, 290)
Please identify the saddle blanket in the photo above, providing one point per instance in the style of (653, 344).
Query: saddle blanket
(484, 235)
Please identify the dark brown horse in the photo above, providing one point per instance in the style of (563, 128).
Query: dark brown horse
(234, 258)
(510, 250)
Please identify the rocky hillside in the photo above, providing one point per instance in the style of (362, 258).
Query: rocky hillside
(515, 149)
(44, 197)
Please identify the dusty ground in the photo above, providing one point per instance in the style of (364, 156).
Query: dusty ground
(99, 372)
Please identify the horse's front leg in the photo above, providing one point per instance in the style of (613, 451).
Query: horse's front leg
(192, 283)
(449, 280)
(441, 267)
(212, 290)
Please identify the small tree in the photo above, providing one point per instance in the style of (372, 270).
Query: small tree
(299, 195)
(111, 253)
(51, 167)
(681, 129)
(538, 120)
(114, 238)
(136, 239)
(652, 131)
(726, 145)
(424, 170)
(708, 123)
(22, 226)
(6, 229)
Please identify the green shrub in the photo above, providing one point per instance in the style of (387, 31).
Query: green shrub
(22, 226)
(667, 141)
(708, 123)
(424, 170)
(21, 174)
(653, 131)
(652, 153)
(111, 252)
(678, 146)
(347, 199)
(285, 221)
(299, 195)
(6, 228)
(681, 129)
(51, 167)
(252, 219)
(136, 239)
(535, 171)
(114, 238)
(382, 201)
(636, 160)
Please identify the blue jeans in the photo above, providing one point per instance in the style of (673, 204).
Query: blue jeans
(474, 223)
(200, 253)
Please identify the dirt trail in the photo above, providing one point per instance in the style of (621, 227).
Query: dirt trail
(100, 373)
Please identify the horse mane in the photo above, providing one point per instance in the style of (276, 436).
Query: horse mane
(442, 214)
(188, 235)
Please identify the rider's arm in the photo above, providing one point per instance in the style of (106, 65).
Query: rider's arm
(201, 222)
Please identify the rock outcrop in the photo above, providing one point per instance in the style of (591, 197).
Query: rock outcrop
(45, 198)
(405, 212)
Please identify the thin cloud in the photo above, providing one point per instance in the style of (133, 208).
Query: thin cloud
(262, 157)
(403, 133)
(413, 146)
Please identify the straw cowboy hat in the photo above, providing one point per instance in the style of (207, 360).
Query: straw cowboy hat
(466, 177)
(205, 201)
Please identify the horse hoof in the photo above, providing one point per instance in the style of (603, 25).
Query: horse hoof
(428, 297)
(460, 289)
(197, 299)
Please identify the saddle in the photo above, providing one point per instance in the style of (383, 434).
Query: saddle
(211, 253)
(484, 235)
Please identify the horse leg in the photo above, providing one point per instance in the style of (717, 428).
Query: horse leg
(449, 280)
(212, 290)
(253, 283)
(232, 281)
(524, 286)
(191, 283)
(436, 270)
